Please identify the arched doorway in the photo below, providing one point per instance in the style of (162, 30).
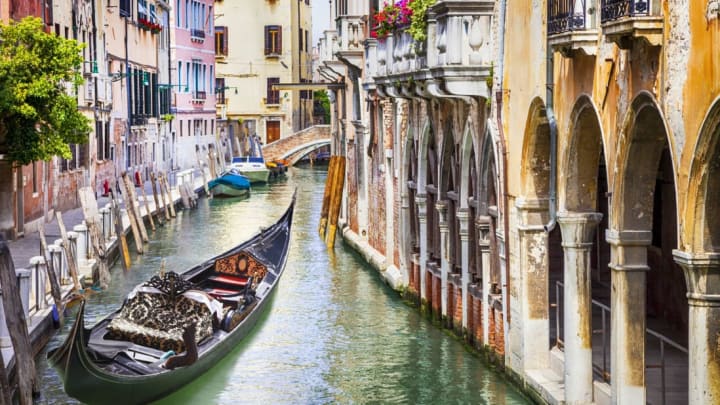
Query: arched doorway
(700, 259)
(583, 289)
(642, 235)
(530, 298)
(448, 205)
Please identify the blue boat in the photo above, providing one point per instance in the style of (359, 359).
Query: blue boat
(230, 184)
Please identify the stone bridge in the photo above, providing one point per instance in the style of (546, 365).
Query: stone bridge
(299, 144)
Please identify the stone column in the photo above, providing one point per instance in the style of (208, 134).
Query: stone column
(482, 224)
(531, 313)
(463, 216)
(404, 242)
(420, 200)
(441, 207)
(578, 230)
(702, 275)
(628, 261)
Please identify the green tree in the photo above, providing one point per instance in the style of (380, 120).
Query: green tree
(321, 97)
(38, 119)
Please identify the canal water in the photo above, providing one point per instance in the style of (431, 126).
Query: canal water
(334, 332)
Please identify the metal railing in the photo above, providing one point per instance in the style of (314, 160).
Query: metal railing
(602, 368)
(197, 33)
(569, 15)
(614, 9)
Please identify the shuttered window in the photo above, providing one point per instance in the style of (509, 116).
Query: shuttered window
(221, 41)
(273, 40)
(273, 96)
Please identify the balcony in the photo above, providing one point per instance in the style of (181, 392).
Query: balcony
(330, 67)
(350, 45)
(572, 26)
(199, 97)
(197, 35)
(454, 60)
(624, 21)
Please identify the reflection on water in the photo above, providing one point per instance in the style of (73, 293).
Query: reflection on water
(334, 332)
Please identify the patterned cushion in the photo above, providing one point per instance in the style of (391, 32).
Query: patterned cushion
(241, 264)
(153, 320)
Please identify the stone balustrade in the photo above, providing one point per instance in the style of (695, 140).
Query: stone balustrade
(455, 59)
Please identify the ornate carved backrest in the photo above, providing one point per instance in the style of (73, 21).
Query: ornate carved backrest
(241, 264)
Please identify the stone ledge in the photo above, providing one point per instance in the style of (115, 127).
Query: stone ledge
(547, 384)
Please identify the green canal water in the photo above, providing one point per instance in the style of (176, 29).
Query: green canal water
(334, 332)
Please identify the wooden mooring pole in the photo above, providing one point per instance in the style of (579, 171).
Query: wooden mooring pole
(157, 200)
(17, 326)
(117, 222)
(147, 207)
(134, 205)
(52, 274)
(171, 203)
(69, 253)
(326, 196)
(131, 216)
(335, 201)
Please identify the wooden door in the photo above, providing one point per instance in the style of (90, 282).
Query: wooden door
(272, 133)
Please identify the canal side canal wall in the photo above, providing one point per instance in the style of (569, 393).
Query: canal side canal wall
(30, 269)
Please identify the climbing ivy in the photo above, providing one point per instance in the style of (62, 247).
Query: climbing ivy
(418, 19)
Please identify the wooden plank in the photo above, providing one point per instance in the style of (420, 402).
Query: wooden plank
(131, 216)
(184, 196)
(133, 201)
(69, 254)
(17, 326)
(147, 207)
(326, 196)
(171, 202)
(157, 200)
(5, 393)
(52, 274)
(117, 222)
(336, 200)
(158, 179)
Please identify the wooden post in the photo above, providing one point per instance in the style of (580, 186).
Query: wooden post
(69, 254)
(17, 326)
(5, 394)
(117, 221)
(171, 202)
(202, 171)
(52, 274)
(335, 201)
(157, 201)
(147, 207)
(184, 195)
(133, 201)
(326, 196)
(131, 217)
(97, 241)
(162, 195)
(211, 162)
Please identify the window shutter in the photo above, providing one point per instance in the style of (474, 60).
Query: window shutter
(225, 40)
(279, 40)
(268, 40)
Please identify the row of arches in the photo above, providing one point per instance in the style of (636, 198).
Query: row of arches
(614, 264)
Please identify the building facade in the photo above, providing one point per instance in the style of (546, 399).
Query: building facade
(540, 175)
(259, 44)
(193, 80)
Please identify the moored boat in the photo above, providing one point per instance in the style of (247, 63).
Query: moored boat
(253, 165)
(131, 356)
(229, 184)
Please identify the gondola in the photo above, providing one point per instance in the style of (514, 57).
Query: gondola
(174, 327)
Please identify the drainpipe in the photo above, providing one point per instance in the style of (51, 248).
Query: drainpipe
(500, 144)
(552, 195)
(128, 87)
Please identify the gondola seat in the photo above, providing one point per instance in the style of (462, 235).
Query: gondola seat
(154, 320)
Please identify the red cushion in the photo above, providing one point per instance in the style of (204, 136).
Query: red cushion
(239, 281)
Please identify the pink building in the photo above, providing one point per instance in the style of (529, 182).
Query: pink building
(192, 73)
